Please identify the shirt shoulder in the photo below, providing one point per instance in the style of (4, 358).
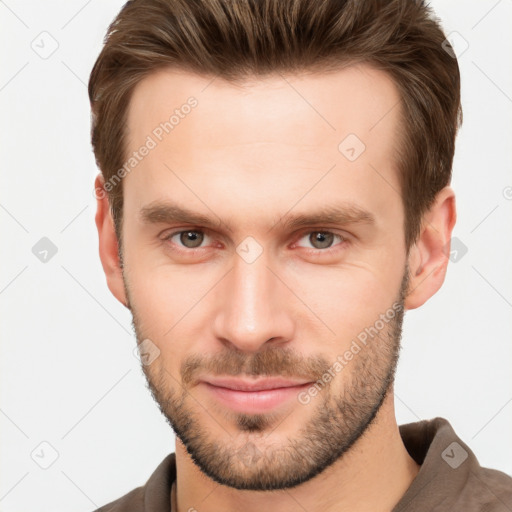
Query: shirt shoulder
(486, 490)
(153, 496)
(132, 501)
(450, 477)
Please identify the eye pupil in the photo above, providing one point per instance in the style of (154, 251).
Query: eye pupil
(191, 239)
(321, 238)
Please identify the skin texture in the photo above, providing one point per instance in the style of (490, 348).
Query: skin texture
(250, 157)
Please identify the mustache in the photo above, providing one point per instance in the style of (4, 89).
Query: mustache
(269, 363)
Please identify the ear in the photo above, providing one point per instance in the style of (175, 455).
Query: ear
(429, 256)
(108, 243)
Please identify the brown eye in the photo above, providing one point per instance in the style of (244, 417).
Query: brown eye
(191, 239)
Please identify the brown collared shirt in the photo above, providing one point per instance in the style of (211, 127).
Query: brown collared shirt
(450, 478)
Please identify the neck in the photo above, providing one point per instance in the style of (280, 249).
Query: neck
(373, 475)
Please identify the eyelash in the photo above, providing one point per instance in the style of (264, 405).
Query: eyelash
(328, 250)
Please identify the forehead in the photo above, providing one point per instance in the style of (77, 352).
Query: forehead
(310, 108)
(269, 139)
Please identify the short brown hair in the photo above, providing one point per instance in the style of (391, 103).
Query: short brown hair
(237, 39)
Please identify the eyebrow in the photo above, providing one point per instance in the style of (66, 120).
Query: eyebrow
(347, 213)
(340, 215)
(167, 213)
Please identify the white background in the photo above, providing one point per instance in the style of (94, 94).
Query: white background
(68, 374)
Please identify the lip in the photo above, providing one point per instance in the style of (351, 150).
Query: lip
(254, 385)
(253, 396)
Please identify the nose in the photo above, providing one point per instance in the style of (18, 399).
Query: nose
(253, 307)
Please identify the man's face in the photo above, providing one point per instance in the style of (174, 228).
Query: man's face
(249, 292)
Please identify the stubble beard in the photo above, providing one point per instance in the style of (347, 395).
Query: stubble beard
(251, 460)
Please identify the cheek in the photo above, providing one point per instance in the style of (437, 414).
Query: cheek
(156, 316)
(164, 297)
(347, 300)
(169, 303)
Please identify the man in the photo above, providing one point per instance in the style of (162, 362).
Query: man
(274, 194)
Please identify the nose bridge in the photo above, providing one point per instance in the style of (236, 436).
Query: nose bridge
(252, 310)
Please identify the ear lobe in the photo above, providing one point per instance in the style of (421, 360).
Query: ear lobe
(429, 257)
(108, 243)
